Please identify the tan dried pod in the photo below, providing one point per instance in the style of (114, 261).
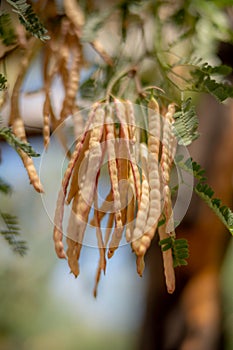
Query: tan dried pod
(123, 171)
(131, 122)
(74, 13)
(73, 254)
(134, 131)
(19, 131)
(168, 211)
(140, 263)
(49, 70)
(154, 180)
(167, 262)
(144, 158)
(130, 214)
(32, 173)
(112, 165)
(142, 215)
(168, 144)
(82, 160)
(64, 57)
(72, 84)
(137, 245)
(113, 173)
(78, 149)
(168, 153)
(98, 47)
(102, 259)
(57, 231)
(173, 140)
(74, 244)
(109, 227)
(115, 240)
(46, 121)
(172, 151)
(106, 206)
(15, 118)
(95, 156)
(120, 112)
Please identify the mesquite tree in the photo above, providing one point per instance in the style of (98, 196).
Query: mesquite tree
(145, 61)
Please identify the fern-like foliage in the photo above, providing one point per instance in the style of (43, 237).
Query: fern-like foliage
(192, 167)
(186, 124)
(11, 230)
(29, 19)
(223, 212)
(205, 78)
(179, 247)
(16, 143)
(5, 187)
(203, 81)
(205, 192)
(3, 82)
(7, 33)
(11, 233)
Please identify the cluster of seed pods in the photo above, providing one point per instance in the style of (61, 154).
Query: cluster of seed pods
(62, 59)
(62, 62)
(139, 195)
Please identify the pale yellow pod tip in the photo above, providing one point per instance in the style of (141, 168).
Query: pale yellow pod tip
(59, 249)
(171, 290)
(110, 253)
(140, 265)
(38, 187)
(153, 104)
(74, 267)
(141, 250)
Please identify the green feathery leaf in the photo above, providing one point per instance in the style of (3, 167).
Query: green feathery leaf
(16, 143)
(204, 82)
(7, 33)
(186, 124)
(205, 192)
(191, 167)
(4, 187)
(180, 250)
(203, 77)
(162, 221)
(223, 212)
(11, 232)
(29, 19)
(3, 82)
